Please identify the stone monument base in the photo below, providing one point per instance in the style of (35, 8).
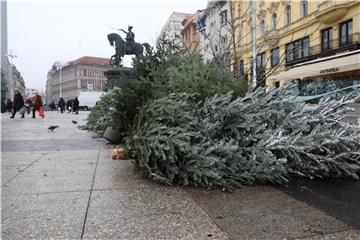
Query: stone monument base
(116, 75)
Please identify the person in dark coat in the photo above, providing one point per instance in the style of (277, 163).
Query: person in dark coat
(76, 106)
(36, 104)
(9, 106)
(18, 104)
(61, 105)
(68, 105)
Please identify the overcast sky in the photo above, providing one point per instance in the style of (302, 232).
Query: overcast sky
(41, 32)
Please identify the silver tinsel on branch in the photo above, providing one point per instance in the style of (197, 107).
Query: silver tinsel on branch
(264, 137)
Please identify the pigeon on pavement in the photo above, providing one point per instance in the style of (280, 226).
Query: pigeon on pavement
(74, 122)
(52, 128)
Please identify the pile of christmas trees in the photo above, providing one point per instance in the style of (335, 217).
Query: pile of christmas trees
(261, 138)
(188, 123)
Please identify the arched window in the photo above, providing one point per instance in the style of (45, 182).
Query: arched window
(262, 28)
(304, 8)
(274, 21)
(288, 15)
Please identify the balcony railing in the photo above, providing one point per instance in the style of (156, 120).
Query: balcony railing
(318, 51)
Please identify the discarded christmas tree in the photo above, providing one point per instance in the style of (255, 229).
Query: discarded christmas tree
(264, 137)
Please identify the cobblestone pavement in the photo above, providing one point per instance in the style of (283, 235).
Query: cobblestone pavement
(64, 185)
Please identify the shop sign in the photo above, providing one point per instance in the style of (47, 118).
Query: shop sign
(329, 70)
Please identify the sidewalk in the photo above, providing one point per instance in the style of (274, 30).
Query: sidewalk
(64, 185)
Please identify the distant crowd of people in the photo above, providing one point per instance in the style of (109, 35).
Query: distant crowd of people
(35, 104)
(19, 105)
(71, 106)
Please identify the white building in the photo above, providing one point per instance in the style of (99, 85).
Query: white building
(85, 74)
(18, 81)
(30, 92)
(214, 29)
(172, 29)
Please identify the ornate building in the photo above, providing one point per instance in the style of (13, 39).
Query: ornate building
(215, 29)
(83, 74)
(172, 28)
(189, 34)
(302, 40)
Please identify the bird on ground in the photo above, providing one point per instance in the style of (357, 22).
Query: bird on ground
(52, 128)
(74, 122)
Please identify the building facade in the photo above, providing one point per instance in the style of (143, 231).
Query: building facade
(215, 31)
(83, 74)
(189, 34)
(18, 80)
(293, 33)
(5, 65)
(171, 31)
(30, 92)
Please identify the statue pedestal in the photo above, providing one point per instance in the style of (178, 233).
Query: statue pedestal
(116, 75)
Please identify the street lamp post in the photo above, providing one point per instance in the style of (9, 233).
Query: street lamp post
(253, 29)
(60, 81)
(11, 85)
(59, 65)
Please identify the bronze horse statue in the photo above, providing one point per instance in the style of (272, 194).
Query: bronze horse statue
(121, 49)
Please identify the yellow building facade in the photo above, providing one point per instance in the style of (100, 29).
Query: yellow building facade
(291, 33)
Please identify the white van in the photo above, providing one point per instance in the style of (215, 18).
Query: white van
(87, 100)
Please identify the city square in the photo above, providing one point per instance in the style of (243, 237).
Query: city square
(180, 119)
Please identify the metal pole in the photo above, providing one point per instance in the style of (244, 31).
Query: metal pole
(11, 81)
(60, 82)
(254, 42)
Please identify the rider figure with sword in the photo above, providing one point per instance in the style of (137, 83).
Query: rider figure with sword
(129, 39)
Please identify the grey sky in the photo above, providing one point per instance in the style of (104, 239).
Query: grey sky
(42, 32)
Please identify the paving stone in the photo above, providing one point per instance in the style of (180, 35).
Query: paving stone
(9, 172)
(43, 216)
(20, 158)
(120, 174)
(346, 235)
(54, 177)
(263, 212)
(156, 213)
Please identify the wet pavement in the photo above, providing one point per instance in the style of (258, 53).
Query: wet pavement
(64, 185)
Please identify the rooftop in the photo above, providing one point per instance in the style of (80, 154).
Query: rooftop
(96, 61)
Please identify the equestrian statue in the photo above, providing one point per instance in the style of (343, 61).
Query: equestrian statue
(127, 47)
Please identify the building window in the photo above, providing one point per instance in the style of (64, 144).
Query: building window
(238, 11)
(223, 17)
(326, 39)
(261, 61)
(275, 57)
(274, 21)
(260, 68)
(262, 28)
(288, 15)
(304, 8)
(241, 68)
(297, 49)
(346, 32)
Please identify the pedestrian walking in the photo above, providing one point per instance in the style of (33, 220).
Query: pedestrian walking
(28, 105)
(18, 105)
(36, 104)
(9, 106)
(61, 105)
(76, 106)
(68, 105)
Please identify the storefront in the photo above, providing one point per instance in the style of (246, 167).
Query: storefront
(323, 75)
